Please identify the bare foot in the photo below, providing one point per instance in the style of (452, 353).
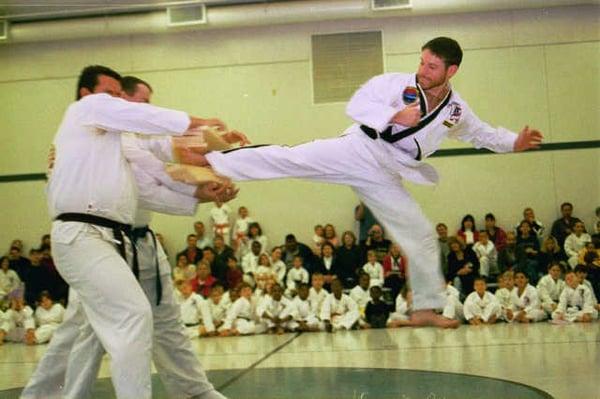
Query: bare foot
(428, 317)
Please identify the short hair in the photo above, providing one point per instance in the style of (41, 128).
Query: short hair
(300, 286)
(217, 286)
(554, 263)
(523, 273)
(191, 235)
(446, 48)
(290, 237)
(327, 244)
(490, 216)
(45, 294)
(441, 224)
(129, 84)
(88, 78)
(479, 278)
(34, 251)
(566, 204)
(581, 269)
(230, 257)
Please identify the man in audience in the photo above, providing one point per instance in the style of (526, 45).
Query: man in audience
(376, 242)
(294, 248)
(18, 263)
(561, 228)
(202, 239)
(222, 252)
(38, 278)
(442, 232)
(536, 226)
(192, 252)
(365, 219)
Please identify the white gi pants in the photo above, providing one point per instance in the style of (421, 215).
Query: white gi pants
(312, 322)
(44, 333)
(453, 309)
(574, 313)
(493, 309)
(115, 306)
(179, 369)
(344, 321)
(363, 164)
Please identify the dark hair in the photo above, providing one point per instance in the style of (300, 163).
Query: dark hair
(446, 48)
(479, 278)
(566, 204)
(129, 84)
(255, 224)
(468, 217)
(523, 273)
(191, 235)
(554, 263)
(290, 237)
(230, 257)
(581, 269)
(88, 78)
(590, 257)
(327, 244)
(441, 224)
(490, 216)
(45, 294)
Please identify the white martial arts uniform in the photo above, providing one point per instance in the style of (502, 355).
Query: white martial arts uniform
(504, 295)
(303, 311)
(527, 302)
(219, 216)
(47, 322)
(240, 227)
(16, 323)
(549, 292)
(218, 311)
(249, 265)
(375, 168)
(280, 269)
(195, 312)
(375, 272)
(573, 245)
(574, 303)
(341, 313)
(91, 176)
(9, 281)
(281, 309)
(483, 307)
(316, 299)
(401, 311)
(240, 317)
(454, 308)
(295, 275)
(361, 297)
(488, 258)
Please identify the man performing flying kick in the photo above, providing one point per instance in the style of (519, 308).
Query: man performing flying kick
(401, 119)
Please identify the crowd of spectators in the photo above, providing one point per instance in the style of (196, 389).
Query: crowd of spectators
(232, 281)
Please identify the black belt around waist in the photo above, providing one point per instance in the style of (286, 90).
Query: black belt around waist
(140, 233)
(118, 229)
(192, 324)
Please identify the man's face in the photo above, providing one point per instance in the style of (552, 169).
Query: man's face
(142, 94)
(106, 84)
(199, 228)
(14, 254)
(291, 245)
(442, 231)
(567, 211)
(191, 241)
(432, 71)
(529, 215)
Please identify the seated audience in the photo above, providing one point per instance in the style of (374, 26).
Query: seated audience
(550, 287)
(254, 234)
(526, 306)
(507, 258)
(330, 236)
(394, 270)
(234, 275)
(506, 283)
(297, 274)
(184, 271)
(536, 226)
(575, 303)
(195, 312)
(361, 295)
(442, 232)
(550, 253)
(204, 279)
(275, 311)
(218, 304)
(222, 251)
(293, 248)
(400, 317)
(38, 278)
(317, 294)
(374, 269)
(454, 308)
(575, 242)
(528, 248)
(481, 306)
(339, 311)
(463, 266)
(581, 272)
(9, 280)
(377, 312)
(348, 260)
(304, 315)
(18, 324)
(17, 262)
(279, 267)
(48, 317)
(468, 232)
(376, 242)
(326, 263)
(192, 253)
(495, 234)
(487, 256)
(563, 227)
(240, 318)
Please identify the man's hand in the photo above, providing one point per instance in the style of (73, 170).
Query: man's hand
(213, 192)
(528, 139)
(409, 116)
(233, 136)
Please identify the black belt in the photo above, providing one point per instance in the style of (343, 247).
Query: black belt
(140, 233)
(192, 324)
(118, 230)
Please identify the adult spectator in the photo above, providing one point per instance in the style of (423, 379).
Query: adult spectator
(204, 279)
(376, 242)
(550, 253)
(463, 266)
(536, 226)
(330, 235)
(468, 232)
(495, 234)
(192, 252)
(528, 249)
(17, 262)
(561, 228)
(255, 233)
(202, 239)
(37, 279)
(59, 289)
(365, 219)
(222, 252)
(507, 258)
(348, 260)
(442, 232)
(294, 248)
(326, 264)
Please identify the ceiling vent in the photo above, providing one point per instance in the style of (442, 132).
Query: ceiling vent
(385, 5)
(191, 14)
(3, 29)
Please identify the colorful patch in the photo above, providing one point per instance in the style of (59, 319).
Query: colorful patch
(455, 113)
(410, 95)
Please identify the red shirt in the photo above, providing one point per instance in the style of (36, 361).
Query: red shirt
(203, 287)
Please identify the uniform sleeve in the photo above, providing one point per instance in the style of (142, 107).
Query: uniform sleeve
(207, 320)
(468, 306)
(112, 113)
(155, 197)
(534, 302)
(232, 314)
(472, 130)
(370, 104)
(28, 321)
(326, 310)
(543, 292)
(562, 302)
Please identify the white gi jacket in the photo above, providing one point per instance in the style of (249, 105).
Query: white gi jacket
(196, 310)
(378, 100)
(575, 300)
(549, 290)
(316, 299)
(54, 315)
(477, 306)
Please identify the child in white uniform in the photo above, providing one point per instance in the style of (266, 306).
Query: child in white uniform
(401, 316)
(526, 306)
(305, 317)
(481, 306)
(374, 269)
(339, 311)
(506, 283)
(575, 303)
(195, 312)
(48, 317)
(550, 287)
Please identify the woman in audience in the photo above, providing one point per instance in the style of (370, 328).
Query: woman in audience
(349, 260)
(463, 266)
(204, 280)
(326, 265)
(528, 249)
(394, 270)
(550, 253)
(330, 235)
(468, 232)
(255, 233)
(536, 226)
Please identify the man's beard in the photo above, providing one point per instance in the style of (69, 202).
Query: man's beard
(427, 84)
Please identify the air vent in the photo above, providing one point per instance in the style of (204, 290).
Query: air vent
(384, 5)
(192, 14)
(342, 62)
(3, 29)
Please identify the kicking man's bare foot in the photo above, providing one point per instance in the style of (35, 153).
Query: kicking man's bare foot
(428, 317)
